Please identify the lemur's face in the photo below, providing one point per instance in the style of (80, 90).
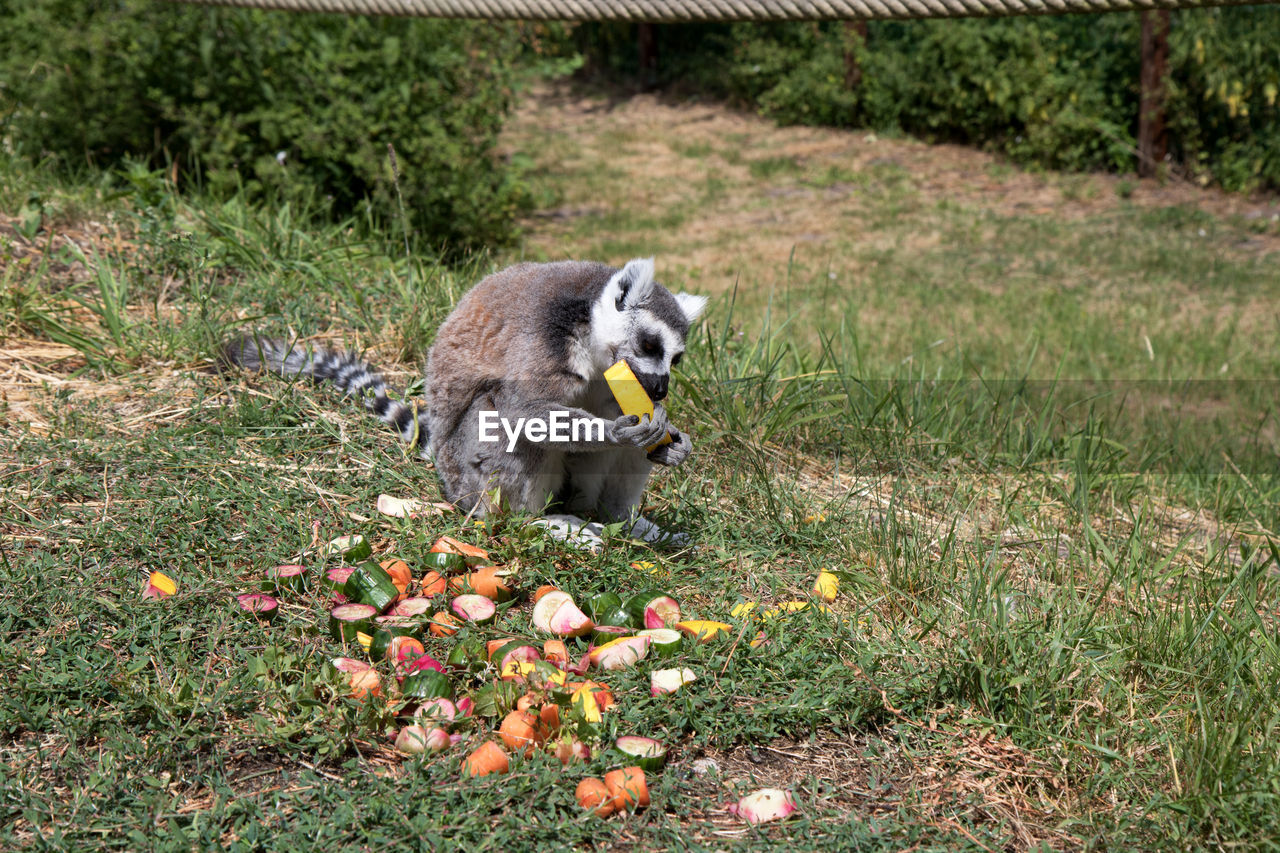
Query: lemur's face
(651, 350)
(640, 321)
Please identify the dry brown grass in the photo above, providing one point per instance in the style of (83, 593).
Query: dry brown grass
(644, 158)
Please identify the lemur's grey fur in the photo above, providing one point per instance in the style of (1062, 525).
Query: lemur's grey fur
(525, 342)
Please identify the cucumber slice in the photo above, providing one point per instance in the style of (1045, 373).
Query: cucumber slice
(666, 642)
(474, 608)
(426, 684)
(336, 578)
(352, 548)
(652, 609)
(412, 607)
(288, 578)
(643, 752)
(370, 584)
(387, 628)
(347, 620)
(602, 605)
(618, 619)
(467, 654)
(264, 607)
(444, 563)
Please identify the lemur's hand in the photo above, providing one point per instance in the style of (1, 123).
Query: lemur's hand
(641, 431)
(675, 452)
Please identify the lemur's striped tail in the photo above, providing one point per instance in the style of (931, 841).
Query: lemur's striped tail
(346, 370)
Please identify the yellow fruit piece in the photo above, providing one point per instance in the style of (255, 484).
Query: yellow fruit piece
(630, 395)
(584, 699)
(787, 607)
(758, 640)
(364, 640)
(826, 586)
(816, 518)
(743, 609)
(517, 669)
(164, 583)
(703, 629)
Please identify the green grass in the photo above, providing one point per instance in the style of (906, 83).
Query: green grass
(1059, 590)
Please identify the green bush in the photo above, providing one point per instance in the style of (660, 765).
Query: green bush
(1061, 92)
(273, 104)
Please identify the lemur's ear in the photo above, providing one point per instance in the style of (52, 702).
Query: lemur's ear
(630, 286)
(691, 305)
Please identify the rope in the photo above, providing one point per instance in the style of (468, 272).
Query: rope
(659, 11)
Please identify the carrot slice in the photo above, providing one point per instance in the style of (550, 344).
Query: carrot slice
(488, 758)
(628, 788)
(522, 731)
(449, 545)
(432, 583)
(398, 570)
(444, 624)
(593, 794)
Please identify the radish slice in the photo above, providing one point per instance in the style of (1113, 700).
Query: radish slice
(412, 607)
(545, 607)
(410, 507)
(348, 620)
(360, 677)
(288, 578)
(765, 805)
(415, 740)
(620, 653)
(652, 609)
(555, 613)
(644, 752)
(669, 680)
(521, 654)
(569, 750)
(422, 663)
(263, 606)
(474, 608)
(349, 665)
(440, 711)
(662, 612)
(336, 578)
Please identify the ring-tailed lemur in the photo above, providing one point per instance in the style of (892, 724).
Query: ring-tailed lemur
(533, 341)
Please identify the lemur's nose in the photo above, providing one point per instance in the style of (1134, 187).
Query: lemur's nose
(660, 388)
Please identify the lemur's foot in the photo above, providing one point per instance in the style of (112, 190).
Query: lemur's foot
(572, 531)
(652, 533)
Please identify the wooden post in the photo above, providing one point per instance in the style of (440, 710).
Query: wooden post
(1153, 139)
(852, 69)
(648, 44)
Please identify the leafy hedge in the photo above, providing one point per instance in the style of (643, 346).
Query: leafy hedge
(1058, 91)
(298, 107)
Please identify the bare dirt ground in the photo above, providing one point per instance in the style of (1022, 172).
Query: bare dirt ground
(706, 178)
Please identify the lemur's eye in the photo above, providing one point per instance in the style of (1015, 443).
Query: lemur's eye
(651, 347)
(677, 358)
